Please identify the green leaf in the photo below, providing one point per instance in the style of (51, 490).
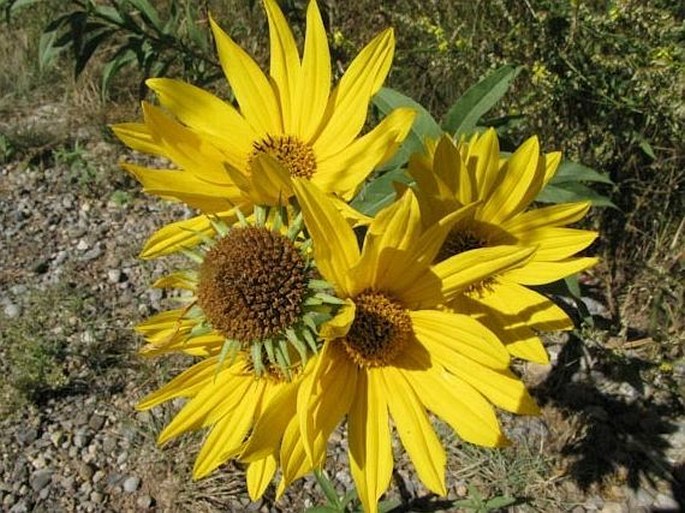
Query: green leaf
(322, 509)
(570, 192)
(148, 13)
(387, 100)
(327, 488)
(124, 57)
(574, 172)
(92, 40)
(379, 192)
(464, 115)
(500, 502)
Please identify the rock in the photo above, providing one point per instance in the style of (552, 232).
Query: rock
(665, 502)
(12, 311)
(56, 438)
(614, 507)
(145, 502)
(97, 497)
(82, 245)
(96, 421)
(114, 275)
(40, 479)
(19, 507)
(27, 436)
(86, 471)
(131, 484)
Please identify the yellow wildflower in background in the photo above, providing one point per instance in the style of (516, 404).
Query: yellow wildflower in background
(392, 353)
(457, 174)
(254, 307)
(290, 124)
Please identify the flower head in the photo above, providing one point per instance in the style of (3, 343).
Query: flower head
(254, 306)
(457, 174)
(391, 352)
(289, 124)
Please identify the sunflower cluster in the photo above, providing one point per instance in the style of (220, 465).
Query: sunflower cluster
(303, 313)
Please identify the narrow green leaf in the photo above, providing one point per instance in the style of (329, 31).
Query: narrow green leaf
(574, 172)
(379, 192)
(148, 13)
(328, 489)
(387, 100)
(464, 115)
(124, 57)
(570, 192)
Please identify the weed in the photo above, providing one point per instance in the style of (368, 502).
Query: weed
(121, 198)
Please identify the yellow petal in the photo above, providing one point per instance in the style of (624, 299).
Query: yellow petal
(186, 280)
(315, 76)
(177, 184)
(271, 181)
(182, 234)
(551, 163)
(464, 269)
(216, 399)
(204, 112)
(185, 148)
(415, 430)
(335, 245)
(202, 345)
(482, 160)
(294, 461)
(339, 325)
(555, 244)
(259, 475)
(138, 137)
(370, 451)
(539, 273)
(324, 398)
(271, 425)
(285, 63)
(555, 215)
(447, 334)
(520, 175)
(347, 106)
(256, 98)
(452, 171)
(226, 436)
(458, 404)
(345, 171)
(186, 384)
(396, 228)
(526, 306)
(352, 216)
(502, 388)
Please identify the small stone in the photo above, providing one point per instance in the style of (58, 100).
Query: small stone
(98, 476)
(40, 479)
(97, 497)
(145, 502)
(86, 471)
(131, 484)
(92, 254)
(614, 507)
(96, 421)
(56, 438)
(12, 311)
(19, 507)
(82, 245)
(665, 502)
(81, 438)
(114, 275)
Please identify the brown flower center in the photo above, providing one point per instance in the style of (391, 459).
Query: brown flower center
(458, 241)
(297, 157)
(380, 330)
(252, 284)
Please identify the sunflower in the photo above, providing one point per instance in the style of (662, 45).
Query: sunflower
(391, 352)
(252, 309)
(457, 174)
(289, 124)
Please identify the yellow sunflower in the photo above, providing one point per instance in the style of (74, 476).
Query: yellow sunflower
(457, 174)
(391, 352)
(289, 124)
(252, 309)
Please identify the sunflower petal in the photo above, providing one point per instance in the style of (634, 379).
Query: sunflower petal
(226, 437)
(446, 334)
(347, 106)
(555, 215)
(539, 273)
(557, 243)
(370, 450)
(345, 171)
(259, 475)
(335, 245)
(294, 461)
(415, 430)
(285, 63)
(204, 112)
(315, 76)
(182, 234)
(252, 89)
(137, 136)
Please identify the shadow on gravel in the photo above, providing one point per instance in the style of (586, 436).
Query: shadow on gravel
(626, 434)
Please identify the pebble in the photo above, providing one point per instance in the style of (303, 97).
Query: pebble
(664, 502)
(131, 484)
(86, 471)
(96, 421)
(40, 479)
(114, 275)
(82, 245)
(145, 502)
(12, 310)
(614, 507)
